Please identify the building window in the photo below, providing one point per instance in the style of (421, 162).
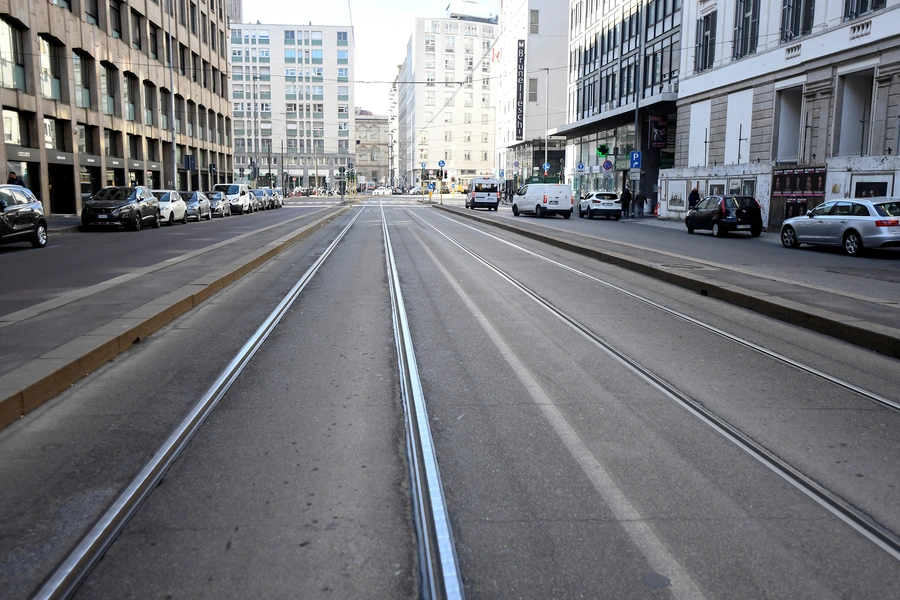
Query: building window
(81, 72)
(342, 38)
(856, 8)
(429, 42)
(136, 30)
(153, 44)
(746, 28)
(449, 43)
(532, 90)
(129, 96)
(92, 12)
(342, 56)
(149, 103)
(115, 19)
(15, 128)
(534, 21)
(50, 77)
(705, 50)
(796, 18)
(108, 89)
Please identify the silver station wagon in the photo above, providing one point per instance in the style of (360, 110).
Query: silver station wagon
(852, 224)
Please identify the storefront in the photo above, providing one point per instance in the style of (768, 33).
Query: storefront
(61, 182)
(115, 171)
(26, 162)
(135, 173)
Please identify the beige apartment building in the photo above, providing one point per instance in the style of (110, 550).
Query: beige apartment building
(91, 99)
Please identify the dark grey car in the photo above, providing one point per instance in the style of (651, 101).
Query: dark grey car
(21, 217)
(126, 206)
(726, 214)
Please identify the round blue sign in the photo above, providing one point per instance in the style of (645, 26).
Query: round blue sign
(516, 164)
(430, 186)
(423, 165)
(607, 165)
(546, 166)
(441, 163)
(581, 166)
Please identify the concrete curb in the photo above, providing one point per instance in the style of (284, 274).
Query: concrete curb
(24, 389)
(872, 336)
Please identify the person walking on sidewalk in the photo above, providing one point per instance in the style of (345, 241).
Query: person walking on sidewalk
(626, 203)
(14, 179)
(693, 198)
(639, 200)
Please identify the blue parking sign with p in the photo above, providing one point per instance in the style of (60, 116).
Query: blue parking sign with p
(636, 159)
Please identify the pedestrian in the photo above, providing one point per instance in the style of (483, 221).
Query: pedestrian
(626, 202)
(14, 179)
(639, 200)
(693, 198)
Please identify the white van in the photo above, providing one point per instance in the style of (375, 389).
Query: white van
(544, 199)
(237, 194)
(483, 193)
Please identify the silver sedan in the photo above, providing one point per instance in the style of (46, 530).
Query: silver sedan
(851, 224)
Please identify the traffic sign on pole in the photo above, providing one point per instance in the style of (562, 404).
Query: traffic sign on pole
(636, 159)
(441, 163)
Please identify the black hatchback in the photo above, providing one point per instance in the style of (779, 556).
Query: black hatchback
(21, 217)
(725, 214)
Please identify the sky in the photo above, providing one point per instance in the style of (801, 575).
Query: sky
(382, 29)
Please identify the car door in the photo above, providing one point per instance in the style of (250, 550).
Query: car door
(519, 197)
(702, 213)
(26, 212)
(811, 229)
(8, 215)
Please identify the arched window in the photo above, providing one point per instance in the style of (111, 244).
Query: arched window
(374, 155)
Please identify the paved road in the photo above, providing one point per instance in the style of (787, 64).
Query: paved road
(566, 474)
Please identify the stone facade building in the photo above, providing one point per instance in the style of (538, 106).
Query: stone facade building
(373, 147)
(89, 98)
(794, 104)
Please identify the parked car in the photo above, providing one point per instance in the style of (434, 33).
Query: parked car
(198, 205)
(600, 204)
(483, 192)
(263, 199)
(219, 205)
(126, 206)
(21, 217)
(171, 206)
(238, 194)
(396, 191)
(724, 214)
(381, 191)
(544, 199)
(853, 224)
(415, 190)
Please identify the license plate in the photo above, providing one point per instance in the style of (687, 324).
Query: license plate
(102, 216)
(743, 227)
(554, 202)
(607, 204)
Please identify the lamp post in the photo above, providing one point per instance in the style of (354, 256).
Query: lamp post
(546, 114)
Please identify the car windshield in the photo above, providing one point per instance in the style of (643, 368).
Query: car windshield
(115, 193)
(162, 196)
(228, 189)
(259, 193)
(607, 196)
(740, 202)
(888, 209)
(187, 196)
(215, 195)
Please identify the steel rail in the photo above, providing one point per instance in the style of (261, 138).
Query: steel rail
(869, 395)
(68, 575)
(860, 522)
(445, 582)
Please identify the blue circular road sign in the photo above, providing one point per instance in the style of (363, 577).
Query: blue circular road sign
(441, 163)
(546, 166)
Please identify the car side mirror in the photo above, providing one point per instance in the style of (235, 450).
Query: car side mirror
(3, 204)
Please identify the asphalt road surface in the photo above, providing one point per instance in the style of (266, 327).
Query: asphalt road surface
(573, 408)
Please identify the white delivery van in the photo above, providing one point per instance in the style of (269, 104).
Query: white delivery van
(544, 199)
(483, 193)
(237, 194)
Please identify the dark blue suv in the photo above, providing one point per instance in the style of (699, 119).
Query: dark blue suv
(21, 217)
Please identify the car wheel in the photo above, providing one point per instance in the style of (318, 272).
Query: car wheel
(515, 210)
(566, 215)
(136, 226)
(789, 238)
(184, 218)
(717, 230)
(171, 219)
(156, 221)
(690, 225)
(40, 236)
(853, 245)
(539, 210)
(590, 215)
(755, 231)
(209, 215)
(580, 214)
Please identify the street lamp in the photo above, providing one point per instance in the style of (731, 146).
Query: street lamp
(546, 114)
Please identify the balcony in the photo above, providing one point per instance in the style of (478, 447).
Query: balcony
(318, 97)
(264, 59)
(343, 97)
(342, 42)
(317, 79)
(238, 95)
(343, 134)
(343, 61)
(343, 79)
(237, 113)
(290, 96)
(290, 115)
(318, 115)
(265, 95)
(290, 78)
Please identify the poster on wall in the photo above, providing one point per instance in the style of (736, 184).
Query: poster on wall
(659, 126)
(870, 186)
(801, 188)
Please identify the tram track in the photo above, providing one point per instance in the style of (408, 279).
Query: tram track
(438, 567)
(881, 536)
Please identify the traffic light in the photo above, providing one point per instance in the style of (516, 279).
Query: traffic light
(440, 174)
(242, 171)
(602, 150)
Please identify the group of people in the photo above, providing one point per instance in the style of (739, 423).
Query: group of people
(633, 207)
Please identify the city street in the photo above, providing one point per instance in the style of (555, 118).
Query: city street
(599, 433)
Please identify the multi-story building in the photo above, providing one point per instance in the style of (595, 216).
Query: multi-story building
(373, 147)
(531, 57)
(795, 103)
(90, 97)
(292, 88)
(446, 96)
(624, 75)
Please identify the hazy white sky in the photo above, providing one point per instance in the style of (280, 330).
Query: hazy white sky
(381, 27)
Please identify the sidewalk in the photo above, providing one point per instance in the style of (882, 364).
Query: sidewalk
(852, 317)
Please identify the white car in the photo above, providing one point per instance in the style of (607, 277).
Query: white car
(171, 206)
(237, 194)
(600, 204)
(544, 200)
(381, 191)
